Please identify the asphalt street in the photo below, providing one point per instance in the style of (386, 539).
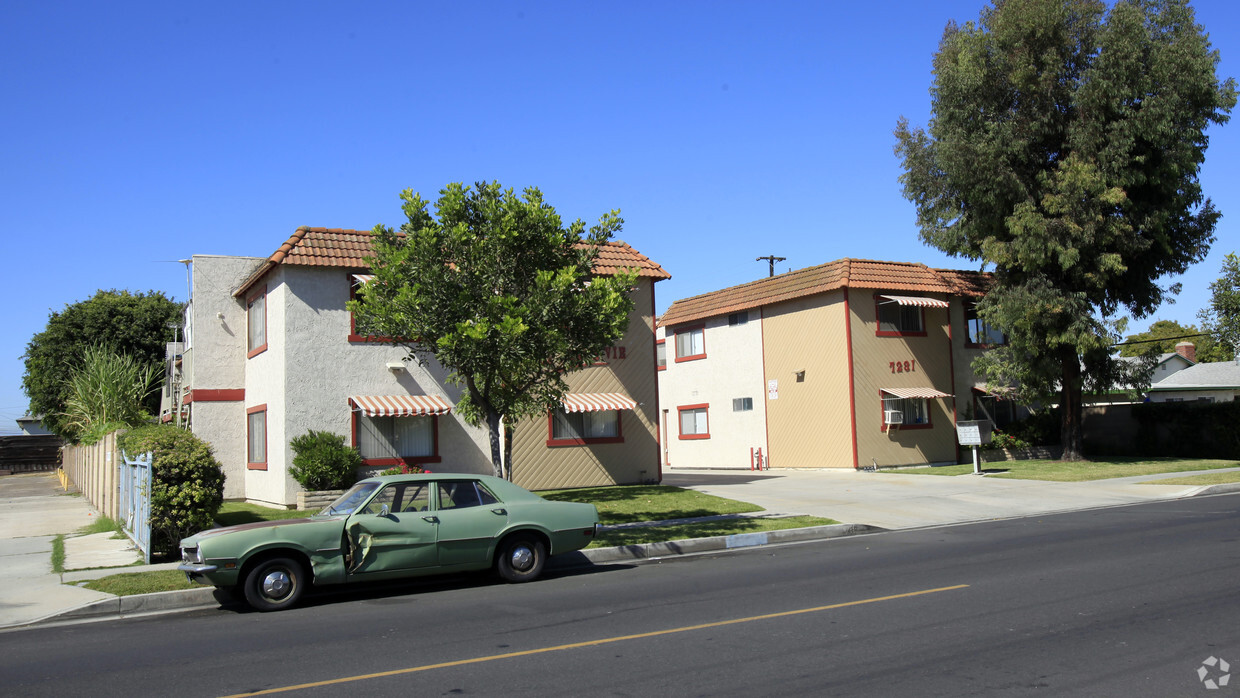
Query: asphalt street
(1122, 601)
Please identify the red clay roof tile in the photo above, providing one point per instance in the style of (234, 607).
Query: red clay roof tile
(842, 273)
(337, 247)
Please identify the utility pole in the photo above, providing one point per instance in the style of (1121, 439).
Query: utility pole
(772, 259)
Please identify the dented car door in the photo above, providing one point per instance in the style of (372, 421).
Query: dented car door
(395, 531)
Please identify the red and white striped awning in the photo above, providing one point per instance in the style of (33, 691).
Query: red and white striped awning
(915, 392)
(596, 402)
(918, 301)
(400, 405)
(363, 279)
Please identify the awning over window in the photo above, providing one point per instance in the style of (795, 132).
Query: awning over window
(363, 278)
(914, 392)
(400, 405)
(595, 402)
(918, 301)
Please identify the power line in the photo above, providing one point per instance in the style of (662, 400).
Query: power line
(1161, 339)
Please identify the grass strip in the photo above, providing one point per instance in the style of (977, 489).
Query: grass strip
(1079, 471)
(630, 504)
(236, 513)
(141, 583)
(1204, 479)
(703, 529)
(58, 554)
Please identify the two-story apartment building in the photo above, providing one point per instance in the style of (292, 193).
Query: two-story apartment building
(271, 352)
(847, 364)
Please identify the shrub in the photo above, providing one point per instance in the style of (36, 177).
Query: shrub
(187, 483)
(322, 461)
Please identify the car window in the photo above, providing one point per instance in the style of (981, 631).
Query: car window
(415, 497)
(461, 495)
(400, 497)
(386, 496)
(349, 500)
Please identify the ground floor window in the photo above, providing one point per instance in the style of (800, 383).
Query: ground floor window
(1001, 412)
(388, 440)
(577, 428)
(694, 422)
(256, 437)
(906, 412)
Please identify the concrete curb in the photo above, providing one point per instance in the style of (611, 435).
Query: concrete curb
(1217, 489)
(186, 599)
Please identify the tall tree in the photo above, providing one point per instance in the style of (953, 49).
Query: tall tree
(1163, 335)
(137, 325)
(1064, 150)
(1222, 317)
(500, 293)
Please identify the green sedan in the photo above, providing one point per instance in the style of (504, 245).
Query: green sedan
(390, 527)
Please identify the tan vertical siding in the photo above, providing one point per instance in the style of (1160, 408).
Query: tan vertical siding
(872, 359)
(636, 460)
(809, 424)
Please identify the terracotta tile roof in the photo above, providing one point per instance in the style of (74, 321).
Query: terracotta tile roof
(842, 273)
(337, 247)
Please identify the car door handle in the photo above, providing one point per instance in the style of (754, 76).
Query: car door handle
(501, 512)
(431, 519)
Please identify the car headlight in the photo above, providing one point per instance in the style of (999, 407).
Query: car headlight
(191, 555)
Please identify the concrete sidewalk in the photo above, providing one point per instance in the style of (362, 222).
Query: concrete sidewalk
(34, 510)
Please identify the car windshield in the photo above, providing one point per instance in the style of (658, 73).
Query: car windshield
(350, 500)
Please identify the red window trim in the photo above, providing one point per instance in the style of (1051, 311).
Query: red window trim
(215, 395)
(690, 357)
(878, 323)
(690, 437)
(663, 342)
(249, 301)
(436, 457)
(353, 335)
(256, 465)
(553, 442)
(882, 418)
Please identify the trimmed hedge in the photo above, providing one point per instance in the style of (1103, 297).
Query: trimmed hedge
(322, 461)
(187, 483)
(1189, 429)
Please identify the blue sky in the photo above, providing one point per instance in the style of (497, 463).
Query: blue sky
(138, 134)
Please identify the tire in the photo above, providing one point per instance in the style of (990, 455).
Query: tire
(520, 558)
(274, 584)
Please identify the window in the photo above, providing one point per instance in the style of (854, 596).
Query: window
(359, 332)
(739, 318)
(400, 498)
(578, 428)
(660, 355)
(742, 404)
(694, 422)
(978, 332)
(462, 495)
(914, 411)
(256, 437)
(1001, 412)
(392, 440)
(256, 323)
(898, 320)
(691, 343)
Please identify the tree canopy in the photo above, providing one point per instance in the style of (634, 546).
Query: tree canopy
(137, 325)
(1222, 317)
(1163, 335)
(1064, 150)
(499, 292)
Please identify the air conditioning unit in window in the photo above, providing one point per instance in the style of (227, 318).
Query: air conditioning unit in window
(893, 417)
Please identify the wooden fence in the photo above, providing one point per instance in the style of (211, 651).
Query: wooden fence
(29, 453)
(93, 470)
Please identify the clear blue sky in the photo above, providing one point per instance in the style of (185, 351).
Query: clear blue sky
(138, 133)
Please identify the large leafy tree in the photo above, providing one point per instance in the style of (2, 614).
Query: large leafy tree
(1222, 317)
(137, 325)
(1064, 150)
(1163, 335)
(501, 293)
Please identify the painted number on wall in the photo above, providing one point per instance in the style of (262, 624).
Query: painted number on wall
(909, 366)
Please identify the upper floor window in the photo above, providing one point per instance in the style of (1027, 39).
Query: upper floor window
(691, 343)
(256, 323)
(978, 332)
(660, 355)
(896, 319)
(739, 318)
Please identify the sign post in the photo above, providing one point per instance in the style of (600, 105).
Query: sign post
(974, 433)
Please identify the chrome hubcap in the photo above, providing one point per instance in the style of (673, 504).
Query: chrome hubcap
(276, 584)
(522, 557)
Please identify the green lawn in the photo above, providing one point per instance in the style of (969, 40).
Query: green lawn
(132, 583)
(1064, 471)
(628, 504)
(235, 513)
(1206, 479)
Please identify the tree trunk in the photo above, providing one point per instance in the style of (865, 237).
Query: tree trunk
(1070, 407)
(508, 450)
(493, 421)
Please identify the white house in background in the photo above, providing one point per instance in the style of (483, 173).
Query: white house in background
(1208, 382)
(270, 352)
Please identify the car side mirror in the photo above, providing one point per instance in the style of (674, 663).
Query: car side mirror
(385, 510)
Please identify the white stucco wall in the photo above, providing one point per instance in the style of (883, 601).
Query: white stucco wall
(732, 369)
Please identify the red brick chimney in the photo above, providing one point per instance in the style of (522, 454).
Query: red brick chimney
(1188, 350)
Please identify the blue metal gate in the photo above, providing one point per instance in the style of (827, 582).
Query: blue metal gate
(135, 500)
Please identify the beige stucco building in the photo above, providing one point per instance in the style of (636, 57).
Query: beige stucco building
(270, 352)
(848, 364)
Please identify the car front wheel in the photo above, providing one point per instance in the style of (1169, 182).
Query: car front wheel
(520, 557)
(275, 584)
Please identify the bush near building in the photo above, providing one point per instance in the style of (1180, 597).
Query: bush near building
(322, 461)
(187, 483)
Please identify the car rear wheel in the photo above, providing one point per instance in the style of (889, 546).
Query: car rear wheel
(520, 557)
(275, 584)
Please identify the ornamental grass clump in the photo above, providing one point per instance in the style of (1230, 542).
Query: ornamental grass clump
(322, 461)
